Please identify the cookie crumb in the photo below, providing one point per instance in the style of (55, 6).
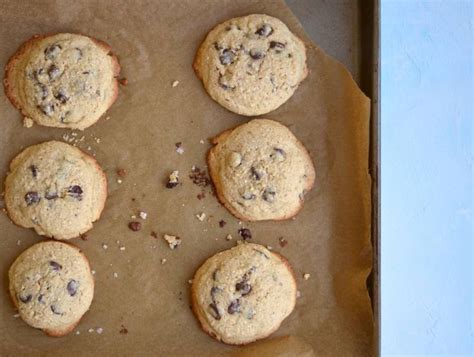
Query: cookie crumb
(283, 242)
(173, 241)
(222, 223)
(122, 248)
(123, 81)
(298, 294)
(83, 236)
(179, 148)
(107, 118)
(78, 332)
(269, 247)
(201, 216)
(115, 275)
(93, 272)
(142, 215)
(18, 242)
(229, 237)
(175, 83)
(173, 179)
(135, 226)
(163, 261)
(133, 216)
(105, 246)
(306, 276)
(121, 172)
(201, 195)
(201, 141)
(154, 234)
(123, 330)
(99, 330)
(90, 330)
(16, 316)
(119, 181)
(28, 122)
(190, 281)
(245, 233)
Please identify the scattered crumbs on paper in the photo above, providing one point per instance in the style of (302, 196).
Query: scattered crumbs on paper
(78, 332)
(163, 261)
(28, 122)
(306, 276)
(175, 83)
(173, 179)
(228, 237)
(283, 242)
(179, 148)
(173, 241)
(142, 215)
(201, 216)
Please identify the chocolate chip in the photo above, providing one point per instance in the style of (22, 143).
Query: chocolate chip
(214, 311)
(52, 51)
(72, 287)
(265, 30)
(269, 195)
(222, 223)
(51, 195)
(40, 298)
(277, 45)
(56, 266)
(75, 192)
(283, 242)
(78, 54)
(255, 174)
(223, 84)
(135, 226)
(34, 170)
(245, 233)
(278, 154)
(234, 307)
(86, 72)
(53, 72)
(214, 291)
(55, 310)
(243, 287)
(25, 299)
(62, 96)
(248, 196)
(170, 184)
(256, 54)
(227, 57)
(32, 197)
(123, 330)
(47, 109)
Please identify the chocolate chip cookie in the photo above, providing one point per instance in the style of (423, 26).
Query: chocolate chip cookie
(63, 80)
(56, 189)
(251, 65)
(243, 294)
(261, 171)
(52, 287)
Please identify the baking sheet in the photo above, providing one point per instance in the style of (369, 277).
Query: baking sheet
(330, 239)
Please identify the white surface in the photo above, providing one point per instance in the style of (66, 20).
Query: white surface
(427, 175)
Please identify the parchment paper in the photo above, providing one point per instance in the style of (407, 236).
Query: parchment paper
(156, 42)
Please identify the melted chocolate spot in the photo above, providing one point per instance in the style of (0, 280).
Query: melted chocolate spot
(34, 170)
(40, 298)
(248, 196)
(53, 72)
(227, 57)
(75, 192)
(245, 233)
(214, 311)
(72, 287)
(25, 299)
(269, 195)
(32, 197)
(255, 174)
(55, 310)
(234, 307)
(55, 266)
(52, 51)
(243, 287)
(256, 55)
(265, 30)
(277, 45)
(62, 96)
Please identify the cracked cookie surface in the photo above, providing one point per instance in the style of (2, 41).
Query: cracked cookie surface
(251, 65)
(243, 294)
(261, 171)
(63, 80)
(56, 189)
(52, 286)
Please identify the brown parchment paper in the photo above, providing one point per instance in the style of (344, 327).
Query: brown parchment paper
(156, 42)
